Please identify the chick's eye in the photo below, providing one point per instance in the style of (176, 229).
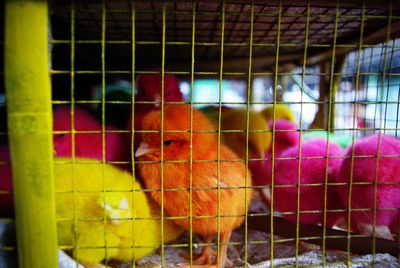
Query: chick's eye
(168, 142)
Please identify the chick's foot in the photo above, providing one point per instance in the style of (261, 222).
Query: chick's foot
(205, 257)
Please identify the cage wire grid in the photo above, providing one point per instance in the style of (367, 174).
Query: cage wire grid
(237, 34)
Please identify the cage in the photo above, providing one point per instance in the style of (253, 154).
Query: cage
(290, 105)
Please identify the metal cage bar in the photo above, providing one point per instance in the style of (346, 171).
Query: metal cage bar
(133, 161)
(29, 125)
(191, 134)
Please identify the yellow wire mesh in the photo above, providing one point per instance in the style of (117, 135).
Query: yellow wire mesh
(105, 41)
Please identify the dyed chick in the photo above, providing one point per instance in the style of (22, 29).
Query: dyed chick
(372, 165)
(88, 145)
(150, 89)
(285, 136)
(205, 179)
(101, 200)
(259, 132)
(282, 111)
(313, 170)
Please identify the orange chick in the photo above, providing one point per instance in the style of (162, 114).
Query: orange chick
(234, 198)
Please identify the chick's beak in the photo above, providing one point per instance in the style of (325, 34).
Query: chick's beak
(143, 149)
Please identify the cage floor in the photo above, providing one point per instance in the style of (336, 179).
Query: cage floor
(258, 254)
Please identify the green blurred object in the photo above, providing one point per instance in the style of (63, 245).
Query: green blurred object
(342, 140)
(117, 112)
(123, 88)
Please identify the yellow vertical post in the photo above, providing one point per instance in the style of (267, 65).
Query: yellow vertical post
(27, 80)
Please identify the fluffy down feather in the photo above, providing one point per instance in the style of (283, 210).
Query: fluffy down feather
(259, 132)
(286, 136)
(233, 202)
(150, 89)
(366, 168)
(86, 144)
(312, 171)
(282, 111)
(80, 194)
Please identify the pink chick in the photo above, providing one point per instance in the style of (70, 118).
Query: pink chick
(312, 171)
(286, 136)
(149, 89)
(86, 144)
(366, 168)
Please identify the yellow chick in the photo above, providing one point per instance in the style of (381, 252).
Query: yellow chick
(259, 140)
(103, 214)
(282, 111)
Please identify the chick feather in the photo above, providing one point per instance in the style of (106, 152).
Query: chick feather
(282, 111)
(259, 140)
(88, 145)
(285, 136)
(150, 89)
(313, 169)
(109, 216)
(368, 169)
(234, 199)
